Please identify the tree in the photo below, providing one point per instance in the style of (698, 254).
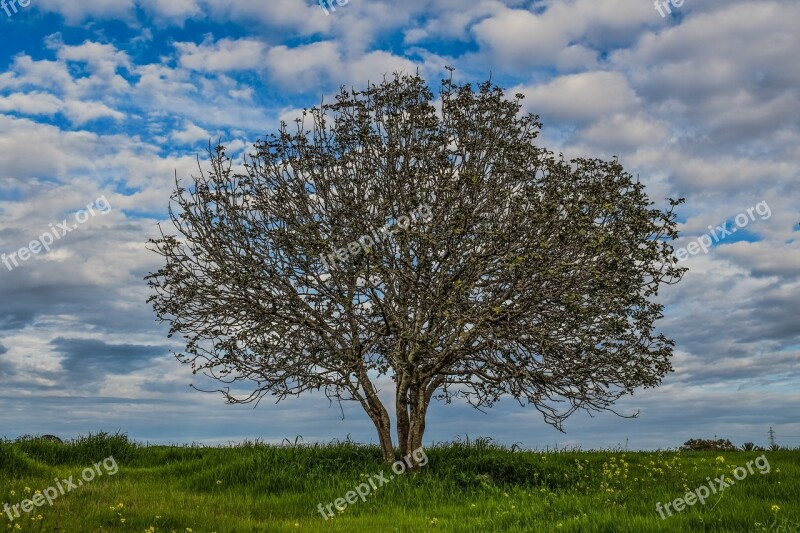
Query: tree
(441, 248)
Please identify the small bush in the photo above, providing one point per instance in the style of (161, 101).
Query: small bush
(708, 445)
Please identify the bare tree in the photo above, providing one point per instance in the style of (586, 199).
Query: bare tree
(440, 247)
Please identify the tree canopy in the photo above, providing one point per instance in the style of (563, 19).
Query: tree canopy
(392, 234)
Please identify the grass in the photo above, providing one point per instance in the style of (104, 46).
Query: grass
(477, 486)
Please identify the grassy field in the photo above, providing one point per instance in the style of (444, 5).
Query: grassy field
(477, 487)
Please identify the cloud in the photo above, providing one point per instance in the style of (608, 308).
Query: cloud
(580, 97)
(75, 12)
(223, 55)
(303, 65)
(522, 38)
(101, 59)
(191, 133)
(174, 11)
(737, 97)
(303, 18)
(622, 132)
(82, 112)
(761, 260)
(548, 33)
(92, 359)
(34, 103)
(6, 368)
(37, 103)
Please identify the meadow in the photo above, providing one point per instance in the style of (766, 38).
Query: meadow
(465, 486)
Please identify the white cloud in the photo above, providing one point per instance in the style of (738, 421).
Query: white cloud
(103, 59)
(761, 259)
(31, 150)
(176, 11)
(515, 38)
(76, 12)
(689, 68)
(303, 65)
(81, 112)
(304, 18)
(223, 55)
(190, 133)
(33, 103)
(520, 37)
(625, 132)
(580, 97)
(321, 64)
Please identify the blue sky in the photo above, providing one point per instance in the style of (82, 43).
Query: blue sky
(103, 101)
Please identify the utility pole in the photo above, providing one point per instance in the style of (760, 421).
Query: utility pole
(771, 437)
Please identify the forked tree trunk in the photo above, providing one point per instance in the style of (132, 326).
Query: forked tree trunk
(412, 406)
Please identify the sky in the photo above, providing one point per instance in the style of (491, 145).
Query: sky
(104, 102)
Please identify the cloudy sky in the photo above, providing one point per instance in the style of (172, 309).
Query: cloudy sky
(103, 101)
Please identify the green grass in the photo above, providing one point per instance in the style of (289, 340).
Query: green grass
(478, 487)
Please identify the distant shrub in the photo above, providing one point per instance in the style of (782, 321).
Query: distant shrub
(699, 445)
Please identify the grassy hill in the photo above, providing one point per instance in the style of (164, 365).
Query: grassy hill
(476, 487)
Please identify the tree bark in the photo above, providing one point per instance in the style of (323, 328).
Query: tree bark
(418, 410)
(403, 418)
(383, 425)
(413, 399)
(379, 416)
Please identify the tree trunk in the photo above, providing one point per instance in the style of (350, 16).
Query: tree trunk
(384, 436)
(379, 416)
(412, 407)
(403, 418)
